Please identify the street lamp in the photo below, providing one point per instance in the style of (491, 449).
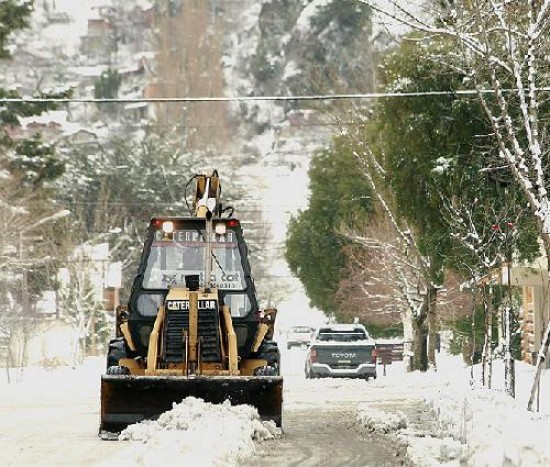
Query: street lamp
(55, 216)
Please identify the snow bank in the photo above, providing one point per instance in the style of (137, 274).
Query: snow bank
(496, 428)
(465, 424)
(196, 431)
(380, 421)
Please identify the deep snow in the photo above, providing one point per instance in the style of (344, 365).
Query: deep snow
(474, 426)
(468, 426)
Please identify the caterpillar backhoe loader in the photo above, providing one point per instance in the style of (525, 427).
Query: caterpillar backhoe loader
(192, 326)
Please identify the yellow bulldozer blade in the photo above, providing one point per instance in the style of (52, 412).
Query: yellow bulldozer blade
(130, 399)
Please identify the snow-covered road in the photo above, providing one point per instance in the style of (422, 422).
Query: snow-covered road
(51, 418)
(321, 426)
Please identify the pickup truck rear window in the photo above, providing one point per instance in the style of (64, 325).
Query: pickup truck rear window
(342, 336)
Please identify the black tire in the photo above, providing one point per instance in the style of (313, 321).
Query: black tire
(118, 349)
(114, 356)
(310, 374)
(270, 351)
(118, 370)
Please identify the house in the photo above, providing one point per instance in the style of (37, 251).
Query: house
(533, 279)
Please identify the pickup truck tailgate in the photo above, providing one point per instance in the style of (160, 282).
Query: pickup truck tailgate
(344, 356)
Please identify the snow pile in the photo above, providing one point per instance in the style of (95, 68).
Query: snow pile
(380, 421)
(462, 423)
(194, 430)
(495, 427)
(436, 452)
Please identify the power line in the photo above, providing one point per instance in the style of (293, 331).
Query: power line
(315, 97)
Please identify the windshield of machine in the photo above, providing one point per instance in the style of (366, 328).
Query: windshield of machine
(184, 253)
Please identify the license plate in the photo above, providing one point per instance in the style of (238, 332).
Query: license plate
(344, 361)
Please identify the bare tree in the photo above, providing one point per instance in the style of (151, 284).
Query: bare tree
(189, 64)
(411, 270)
(367, 287)
(393, 284)
(486, 234)
(26, 245)
(80, 299)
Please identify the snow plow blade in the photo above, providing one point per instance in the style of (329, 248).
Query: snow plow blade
(130, 399)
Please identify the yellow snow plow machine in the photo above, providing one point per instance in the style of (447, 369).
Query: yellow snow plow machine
(192, 326)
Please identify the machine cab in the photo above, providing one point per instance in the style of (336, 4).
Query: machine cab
(176, 248)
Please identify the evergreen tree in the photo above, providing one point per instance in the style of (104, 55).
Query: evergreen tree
(314, 246)
(14, 15)
(435, 150)
(27, 168)
(106, 87)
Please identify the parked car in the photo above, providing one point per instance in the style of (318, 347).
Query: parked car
(341, 350)
(298, 336)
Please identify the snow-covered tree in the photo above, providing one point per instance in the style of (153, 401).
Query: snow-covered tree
(501, 50)
(81, 301)
(28, 166)
(405, 264)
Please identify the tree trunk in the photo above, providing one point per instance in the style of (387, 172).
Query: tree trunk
(432, 326)
(473, 344)
(23, 350)
(509, 368)
(509, 373)
(408, 339)
(8, 356)
(500, 330)
(487, 366)
(76, 348)
(419, 360)
(540, 361)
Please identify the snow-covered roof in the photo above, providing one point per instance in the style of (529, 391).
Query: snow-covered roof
(52, 116)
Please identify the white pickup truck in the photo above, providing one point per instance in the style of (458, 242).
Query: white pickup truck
(341, 350)
(298, 336)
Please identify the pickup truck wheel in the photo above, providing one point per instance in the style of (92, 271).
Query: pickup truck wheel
(310, 375)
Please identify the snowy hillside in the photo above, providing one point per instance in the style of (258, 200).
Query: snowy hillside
(271, 145)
